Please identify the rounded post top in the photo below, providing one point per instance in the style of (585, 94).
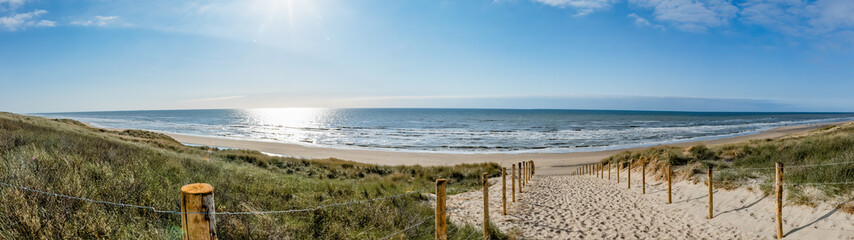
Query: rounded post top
(197, 188)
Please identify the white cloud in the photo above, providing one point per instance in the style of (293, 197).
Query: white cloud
(18, 21)
(213, 99)
(691, 15)
(7, 5)
(583, 7)
(641, 21)
(780, 15)
(796, 17)
(97, 21)
(830, 15)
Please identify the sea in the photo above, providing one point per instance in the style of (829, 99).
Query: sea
(454, 130)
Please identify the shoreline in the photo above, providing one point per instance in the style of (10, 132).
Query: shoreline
(547, 163)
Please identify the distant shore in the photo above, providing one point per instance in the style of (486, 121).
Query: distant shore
(547, 163)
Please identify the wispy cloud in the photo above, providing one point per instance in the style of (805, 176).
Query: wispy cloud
(641, 21)
(799, 17)
(97, 21)
(8, 5)
(622, 102)
(214, 99)
(583, 7)
(691, 15)
(18, 21)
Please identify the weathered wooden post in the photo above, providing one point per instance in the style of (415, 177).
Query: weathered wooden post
(609, 170)
(629, 172)
(530, 172)
(504, 189)
(669, 195)
(601, 171)
(197, 207)
(619, 166)
(524, 172)
(533, 168)
(779, 198)
(513, 181)
(520, 178)
(441, 224)
(485, 206)
(643, 177)
(711, 197)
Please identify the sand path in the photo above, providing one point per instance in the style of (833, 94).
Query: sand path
(581, 207)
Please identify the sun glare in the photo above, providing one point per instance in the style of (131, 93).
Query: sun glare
(289, 117)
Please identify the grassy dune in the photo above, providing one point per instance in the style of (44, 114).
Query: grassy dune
(743, 164)
(146, 168)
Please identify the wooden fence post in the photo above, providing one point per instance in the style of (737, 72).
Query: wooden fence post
(533, 168)
(779, 198)
(513, 181)
(609, 170)
(485, 206)
(669, 196)
(530, 170)
(619, 166)
(601, 171)
(441, 224)
(525, 173)
(520, 178)
(629, 172)
(504, 189)
(197, 205)
(711, 197)
(643, 177)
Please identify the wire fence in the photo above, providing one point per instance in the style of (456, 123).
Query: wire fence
(216, 213)
(738, 203)
(410, 227)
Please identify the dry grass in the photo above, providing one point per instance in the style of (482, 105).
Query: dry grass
(145, 168)
(735, 164)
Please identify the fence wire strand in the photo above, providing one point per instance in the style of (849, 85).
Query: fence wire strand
(216, 213)
(83, 199)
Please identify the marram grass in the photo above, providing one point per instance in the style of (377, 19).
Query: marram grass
(147, 168)
(752, 163)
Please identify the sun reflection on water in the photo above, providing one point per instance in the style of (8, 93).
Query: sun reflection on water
(290, 117)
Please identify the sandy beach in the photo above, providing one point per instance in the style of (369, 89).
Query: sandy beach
(547, 163)
(585, 207)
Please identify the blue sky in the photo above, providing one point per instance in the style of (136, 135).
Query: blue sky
(701, 55)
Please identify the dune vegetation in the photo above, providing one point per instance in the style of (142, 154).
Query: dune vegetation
(811, 161)
(147, 169)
